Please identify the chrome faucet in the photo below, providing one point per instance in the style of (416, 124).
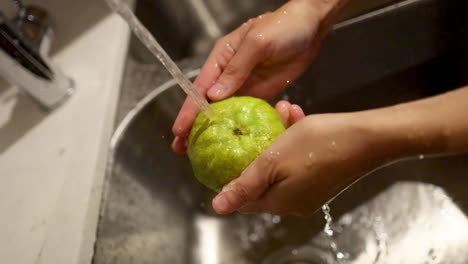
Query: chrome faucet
(25, 42)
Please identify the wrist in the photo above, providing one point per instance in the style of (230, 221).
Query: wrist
(324, 10)
(402, 131)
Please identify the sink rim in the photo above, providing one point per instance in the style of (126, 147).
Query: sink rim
(140, 105)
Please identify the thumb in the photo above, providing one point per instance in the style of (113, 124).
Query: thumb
(250, 185)
(238, 69)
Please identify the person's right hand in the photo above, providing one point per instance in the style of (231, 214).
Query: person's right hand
(320, 155)
(314, 160)
(259, 59)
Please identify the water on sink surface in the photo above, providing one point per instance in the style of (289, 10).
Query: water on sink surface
(427, 228)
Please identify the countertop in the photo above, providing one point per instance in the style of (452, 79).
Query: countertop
(52, 165)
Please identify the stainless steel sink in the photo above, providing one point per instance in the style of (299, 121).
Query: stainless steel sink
(154, 211)
(191, 26)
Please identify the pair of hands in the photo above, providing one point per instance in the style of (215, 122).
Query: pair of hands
(299, 172)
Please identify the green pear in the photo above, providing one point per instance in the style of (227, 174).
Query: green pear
(221, 147)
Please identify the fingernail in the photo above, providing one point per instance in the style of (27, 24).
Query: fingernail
(217, 91)
(284, 106)
(221, 204)
(284, 113)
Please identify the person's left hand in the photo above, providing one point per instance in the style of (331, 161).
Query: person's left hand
(260, 59)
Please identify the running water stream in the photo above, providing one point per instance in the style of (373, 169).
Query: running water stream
(155, 48)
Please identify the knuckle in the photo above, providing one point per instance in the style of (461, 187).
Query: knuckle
(242, 192)
(266, 162)
(231, 71)
(258, 40)
(220, 43)
(224, 52)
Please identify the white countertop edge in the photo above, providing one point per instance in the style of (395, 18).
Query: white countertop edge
(72, 240)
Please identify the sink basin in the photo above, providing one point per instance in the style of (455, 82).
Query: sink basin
(154, 210)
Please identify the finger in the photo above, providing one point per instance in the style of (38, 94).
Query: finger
(252, 208)
(284, 197)
(267, 82)
(283, 109)
(252, 183)
(272, 201)
(179, 145)
(295, 114)
(217, 60)
(185, 118)
(187, 114)
(251, 51)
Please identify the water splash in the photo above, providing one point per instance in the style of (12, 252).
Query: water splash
(329, 230)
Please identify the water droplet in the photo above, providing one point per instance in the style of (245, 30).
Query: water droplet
(326, 208)
(333, 145)
(285, 12)
(421, 157)
(261, 36)
(276, 219)
(260, 17)
(288, 81)
(312, 158)
(272, 156)
(340, 255)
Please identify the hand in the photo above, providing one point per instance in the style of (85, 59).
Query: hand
(321, 155)
(312, 162)
(259, 59)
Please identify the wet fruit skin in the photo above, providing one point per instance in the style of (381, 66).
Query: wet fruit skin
(222, 147)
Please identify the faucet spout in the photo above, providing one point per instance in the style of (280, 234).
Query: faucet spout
(24, 47)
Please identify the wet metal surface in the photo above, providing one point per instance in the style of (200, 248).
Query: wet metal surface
(154, 211)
